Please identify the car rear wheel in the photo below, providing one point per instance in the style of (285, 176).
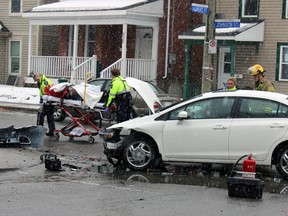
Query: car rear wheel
(139, 152)
(282, 162)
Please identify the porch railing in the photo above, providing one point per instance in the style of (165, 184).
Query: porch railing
(137, 68)
(106, 72)
(85, 70)
(62, 66)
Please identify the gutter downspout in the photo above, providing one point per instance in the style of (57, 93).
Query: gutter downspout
(167, 40)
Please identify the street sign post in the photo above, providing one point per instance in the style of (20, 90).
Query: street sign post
(222, 23)
(200, 8)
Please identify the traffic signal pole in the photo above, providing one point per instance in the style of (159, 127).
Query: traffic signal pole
(207, 68)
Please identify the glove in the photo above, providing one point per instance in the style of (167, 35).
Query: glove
(106, 109)
(41, 100)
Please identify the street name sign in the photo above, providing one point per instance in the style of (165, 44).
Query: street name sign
(222, 23)
(200, 8)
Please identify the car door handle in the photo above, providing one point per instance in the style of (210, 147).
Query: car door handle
(277, 126)
(219, 127)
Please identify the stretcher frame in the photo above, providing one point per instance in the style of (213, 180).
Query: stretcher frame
(79, 122)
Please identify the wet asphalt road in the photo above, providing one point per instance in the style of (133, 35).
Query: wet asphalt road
(98, 189)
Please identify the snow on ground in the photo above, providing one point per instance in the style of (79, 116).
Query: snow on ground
(14, 94)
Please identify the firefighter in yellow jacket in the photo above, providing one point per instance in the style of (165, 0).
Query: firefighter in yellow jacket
(261, 83)
(45, 109)
(120, 94)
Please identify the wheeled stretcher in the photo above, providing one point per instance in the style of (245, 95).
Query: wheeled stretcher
(79, 125)
(80, 105)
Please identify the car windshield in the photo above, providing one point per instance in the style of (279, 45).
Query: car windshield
(156, 89)
(173, 104)
(99, 83)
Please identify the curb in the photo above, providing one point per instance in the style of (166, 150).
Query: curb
(30, 108)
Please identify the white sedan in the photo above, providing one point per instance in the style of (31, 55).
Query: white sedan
(216, 127)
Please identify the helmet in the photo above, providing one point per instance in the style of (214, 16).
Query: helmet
(255, 69)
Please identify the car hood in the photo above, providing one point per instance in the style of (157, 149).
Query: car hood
(135, 123)
(145, 92)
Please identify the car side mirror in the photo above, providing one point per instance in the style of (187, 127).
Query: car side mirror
(183, 115)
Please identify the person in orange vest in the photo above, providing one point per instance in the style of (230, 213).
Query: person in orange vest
(261, 83)
(120, 94)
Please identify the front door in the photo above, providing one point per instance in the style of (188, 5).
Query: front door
(143, 47)
(224, 69)
(203, 135)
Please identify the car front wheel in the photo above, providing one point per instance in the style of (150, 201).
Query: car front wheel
(282, 162)
(139, 152)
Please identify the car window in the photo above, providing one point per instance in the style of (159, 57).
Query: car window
(206, 109)
(156, 89)
(282, 111)
(261, 108)
(101, 83)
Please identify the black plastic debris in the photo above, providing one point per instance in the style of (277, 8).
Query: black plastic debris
(51, 162)
(31, 135)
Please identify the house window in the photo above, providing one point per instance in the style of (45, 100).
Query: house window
(249, 8)
(14, 56)
(90, 40)
(283, 62)
(16, 6)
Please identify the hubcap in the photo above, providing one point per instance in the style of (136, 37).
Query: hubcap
(284, 161)
(138, 154)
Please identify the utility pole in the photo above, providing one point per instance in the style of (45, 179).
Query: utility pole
(207, 68)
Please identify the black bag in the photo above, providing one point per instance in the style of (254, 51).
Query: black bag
(51, 162)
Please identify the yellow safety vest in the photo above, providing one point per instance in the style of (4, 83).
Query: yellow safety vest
(44, 82)
(119, 86)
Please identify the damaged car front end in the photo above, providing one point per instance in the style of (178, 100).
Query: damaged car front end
(135, 149)
(124, 142)
(112, 143)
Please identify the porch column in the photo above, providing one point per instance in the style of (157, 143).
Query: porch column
(124, 51)
(154, 55)
(30, 49)
(75, 54)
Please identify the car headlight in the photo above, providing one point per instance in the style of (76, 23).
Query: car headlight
(109, 134)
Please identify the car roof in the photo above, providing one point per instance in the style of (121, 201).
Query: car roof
(282, 98)
(248, 93)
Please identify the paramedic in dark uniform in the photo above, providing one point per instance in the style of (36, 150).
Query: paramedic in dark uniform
(46, 109)
(120, 94)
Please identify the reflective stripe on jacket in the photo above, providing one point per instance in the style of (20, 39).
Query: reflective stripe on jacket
(119, 86)
(264, 85)
(44, 82)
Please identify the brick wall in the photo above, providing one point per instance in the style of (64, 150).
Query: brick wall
(181, 20)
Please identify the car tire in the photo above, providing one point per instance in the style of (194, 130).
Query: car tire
(59, 115)
(282, 162)
(139, 153)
